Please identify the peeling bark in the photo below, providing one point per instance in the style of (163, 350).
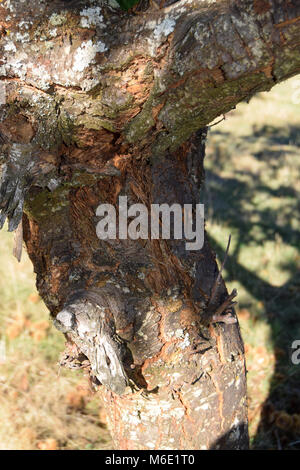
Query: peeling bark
(100, 104)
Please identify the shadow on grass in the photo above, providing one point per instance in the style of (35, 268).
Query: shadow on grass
(241, 203)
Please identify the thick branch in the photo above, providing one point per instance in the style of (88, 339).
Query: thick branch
(155, 77)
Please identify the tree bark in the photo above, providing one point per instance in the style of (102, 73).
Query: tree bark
(99, 104)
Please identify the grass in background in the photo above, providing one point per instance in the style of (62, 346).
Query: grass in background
(252, 191)
(41, 406)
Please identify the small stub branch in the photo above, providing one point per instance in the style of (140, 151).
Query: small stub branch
(91, 328)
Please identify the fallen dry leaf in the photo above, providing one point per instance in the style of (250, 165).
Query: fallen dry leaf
(244, 314)
(13, 331)
(75, 400)
(38, 336)
(41, 326)
(48, 444)
(24, 383)
(34, 298)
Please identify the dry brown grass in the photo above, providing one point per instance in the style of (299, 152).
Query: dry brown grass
(41, 406)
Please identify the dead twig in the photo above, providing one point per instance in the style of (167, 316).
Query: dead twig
(216, 283)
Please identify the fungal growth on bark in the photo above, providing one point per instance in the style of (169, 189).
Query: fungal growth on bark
(102, 103)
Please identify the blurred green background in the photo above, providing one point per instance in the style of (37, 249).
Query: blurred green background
(251, 192)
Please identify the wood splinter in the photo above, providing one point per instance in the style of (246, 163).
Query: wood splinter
(223, 313)
(226, 307)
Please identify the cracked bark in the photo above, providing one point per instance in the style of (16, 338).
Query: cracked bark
(102, 103)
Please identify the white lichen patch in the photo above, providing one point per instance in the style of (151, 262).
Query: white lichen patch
(24, 24)
(91, 16)
(41, 74)
(186, 342)
(179, 333)
(10, 47)
(16, 65)
(86, 53)
(58, 19)
(53, 32)
(101, 47)
(20, 37)
(160, 33)
(9, 6)
(164, 28)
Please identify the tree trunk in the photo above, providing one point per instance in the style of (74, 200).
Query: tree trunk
(188, 370)
(101, 104)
